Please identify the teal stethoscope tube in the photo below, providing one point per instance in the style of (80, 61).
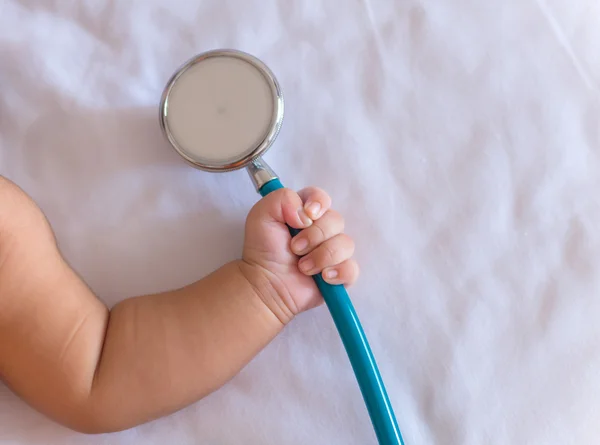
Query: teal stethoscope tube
(358, 349)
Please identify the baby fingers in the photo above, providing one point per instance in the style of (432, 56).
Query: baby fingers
(316, 202)
(344, 273)
(330, 225)
(330, 253)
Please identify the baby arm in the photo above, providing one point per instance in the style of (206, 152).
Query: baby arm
(96, 370)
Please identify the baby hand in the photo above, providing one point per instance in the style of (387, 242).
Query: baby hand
(271, 258)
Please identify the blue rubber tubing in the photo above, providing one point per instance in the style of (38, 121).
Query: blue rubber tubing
(359, 352)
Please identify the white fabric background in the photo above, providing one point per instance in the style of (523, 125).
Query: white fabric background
(461, 140)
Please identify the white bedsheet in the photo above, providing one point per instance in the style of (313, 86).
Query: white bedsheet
(461, 140)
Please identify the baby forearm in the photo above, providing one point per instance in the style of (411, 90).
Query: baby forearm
(163, 352)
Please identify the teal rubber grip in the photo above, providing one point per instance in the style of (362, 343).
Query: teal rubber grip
(359, 352)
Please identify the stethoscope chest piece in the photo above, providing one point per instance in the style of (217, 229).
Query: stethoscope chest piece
(222, 110)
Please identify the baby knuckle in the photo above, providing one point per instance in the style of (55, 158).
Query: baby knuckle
(319, 233)
(312, 190)
(316, 191)
(323, 197)
(347, 241)
(287, 194)
(337, 220)
(327, 254)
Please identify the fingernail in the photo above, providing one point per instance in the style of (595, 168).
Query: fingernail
(306, 265)
(304, 219)
(299, 245)
(331, 274)
(313, 209)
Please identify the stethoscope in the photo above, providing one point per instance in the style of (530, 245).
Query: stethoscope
(221, 111)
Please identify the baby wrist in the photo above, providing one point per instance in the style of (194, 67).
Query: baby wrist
(268, 290)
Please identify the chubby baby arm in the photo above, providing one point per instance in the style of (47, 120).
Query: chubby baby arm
(96, 370)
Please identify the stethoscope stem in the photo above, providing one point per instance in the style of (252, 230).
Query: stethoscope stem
(260, 173)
